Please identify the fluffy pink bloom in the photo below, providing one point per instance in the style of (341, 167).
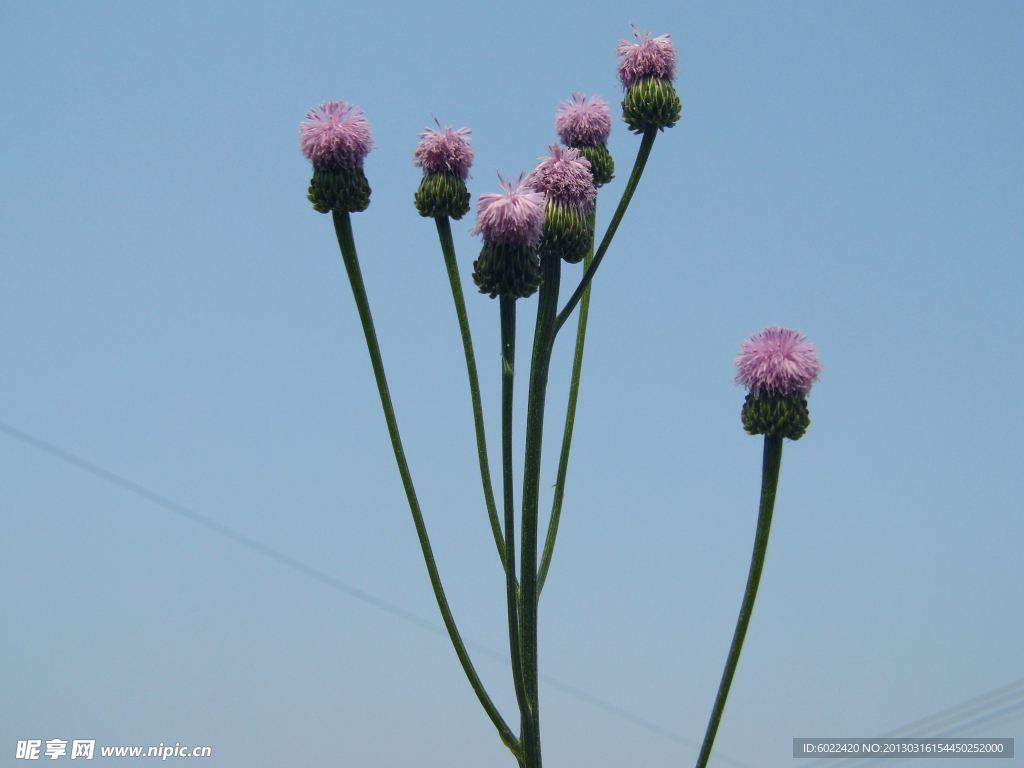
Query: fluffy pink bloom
(779, 361)
(444, 151)
(564, 176)
(646, 57)
(583, 121)
(513, 217)
(336, 137)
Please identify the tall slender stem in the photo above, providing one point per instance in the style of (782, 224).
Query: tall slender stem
(769, 484)
(343, 228)
(508, 362)
(444, 233)
(551, 269)
(627, 194)
(570, 422)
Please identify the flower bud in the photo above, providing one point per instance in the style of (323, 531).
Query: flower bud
(646, 71)
(568, 186)
(585, 124)
(510, 223)
(344, 190)
(445, 157)
(774, 414)
(651, 103)
(507, 270)
(602, 166)
(778, 366)
(567, 232)
(442, 194)
(336, 139)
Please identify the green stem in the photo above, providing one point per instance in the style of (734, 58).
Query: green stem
(627, 194)
(444, 233)
(508, 361)
(582, 296)
(570, 421)
(343, 228)
(769, 485)
(543, 339)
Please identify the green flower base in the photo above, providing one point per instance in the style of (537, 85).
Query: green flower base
(442, 194)
(651, 103)
(503, 270)
(602, 166)
(566, 234)
(346, 190)
(774, 414)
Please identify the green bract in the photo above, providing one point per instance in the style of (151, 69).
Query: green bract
(602, 166)
(774, 414)
(346, 190)
(567, 232)
(651, 103)
(507, 270)
(442, 194)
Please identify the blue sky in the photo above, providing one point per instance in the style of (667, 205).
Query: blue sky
(173, 311)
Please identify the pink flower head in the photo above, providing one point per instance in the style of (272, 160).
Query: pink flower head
(564, 176)
(583, 120)
(513, 217)
(444, 151)
(336, 137)
(779, 361)
(649, 56)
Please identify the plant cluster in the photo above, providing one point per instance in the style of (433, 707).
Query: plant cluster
(528, 229)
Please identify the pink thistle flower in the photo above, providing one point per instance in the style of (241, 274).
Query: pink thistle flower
(444, 151)
(649, 56)
(336, 137)
(513, 217)
(779, 361)
(583, 120)
(564, 177)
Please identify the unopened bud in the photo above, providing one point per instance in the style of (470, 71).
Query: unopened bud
(651, 103)
(770, 413)
(336, 139)
(778, 366)
(507, 270)
(442, 194)
(567, 232)
(602, 166)
(342, 190)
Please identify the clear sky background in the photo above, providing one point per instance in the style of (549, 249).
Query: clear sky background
(174, 311)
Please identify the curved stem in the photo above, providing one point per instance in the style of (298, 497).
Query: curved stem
(627, 194)
(343, 228)
(444, 233)
(551, 269)
(570, 422)
(769, 485)
(508, 361)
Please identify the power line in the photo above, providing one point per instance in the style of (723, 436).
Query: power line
(328, 580)
(959, 712)
(997, 704)
(1001, 714)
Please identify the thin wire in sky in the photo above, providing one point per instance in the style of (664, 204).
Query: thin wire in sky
(1001, 703)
